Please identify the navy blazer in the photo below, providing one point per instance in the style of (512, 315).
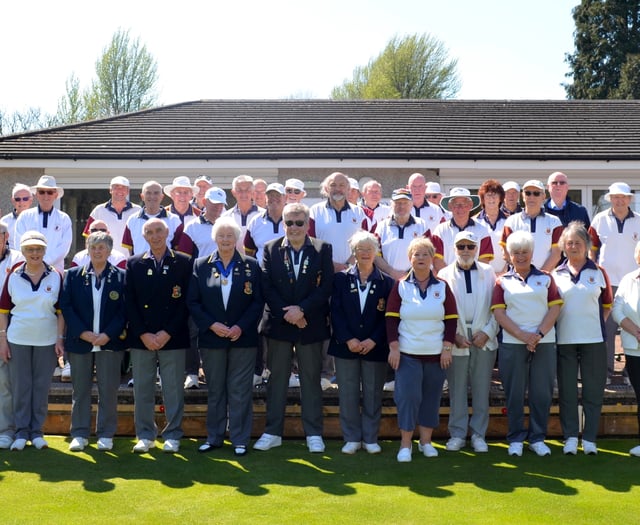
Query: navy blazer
(76, 303)
(157, 298)
(244, 307)
(348, 322)
(310, 290)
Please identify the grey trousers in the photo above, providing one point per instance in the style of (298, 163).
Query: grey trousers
(229, 373)
(7, 427)
(279, 355)
(30, 370)
(360, 419)
(171, 364)
(472, 370)
(107, 365)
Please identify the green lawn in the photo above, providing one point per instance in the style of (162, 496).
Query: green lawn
(289, 485)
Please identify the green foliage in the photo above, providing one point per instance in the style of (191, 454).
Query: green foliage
(607, 43)
(416, 66)
(71, 106)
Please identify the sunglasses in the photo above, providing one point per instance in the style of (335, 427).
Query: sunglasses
(93, 230)
(465, 247)
(21, 199)
(298, 223)
(293, 190)
(558, 182)
(534, 193)
(46, 192)
(432, 195)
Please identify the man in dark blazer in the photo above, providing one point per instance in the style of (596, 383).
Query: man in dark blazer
(297, 278)
(156, 289)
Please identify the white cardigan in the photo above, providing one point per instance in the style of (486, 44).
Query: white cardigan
(483, 319)
(627, 304)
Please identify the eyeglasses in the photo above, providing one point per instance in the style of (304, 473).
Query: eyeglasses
(534, 193)
(46, 192)
(558, 182)
(299, 224)
(293, 190)
(93, 230)
(465, 247)
(23, 199)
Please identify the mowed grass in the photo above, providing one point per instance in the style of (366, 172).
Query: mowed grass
(290, 485)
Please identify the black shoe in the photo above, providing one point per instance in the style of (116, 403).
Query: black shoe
(240, 450)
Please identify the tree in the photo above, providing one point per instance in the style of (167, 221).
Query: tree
(605, 63)
(127, 75)
(71, 106)
(416, 66)
(21, 121)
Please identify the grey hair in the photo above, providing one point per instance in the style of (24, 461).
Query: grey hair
(240, 179)
(520, 240)
(575, 228)
(324, 186)
(296, 208)
(100, 237)
(363, 238)
(226, 222)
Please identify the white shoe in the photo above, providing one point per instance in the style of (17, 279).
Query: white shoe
(5, 442)
(635, 451)
(315, 444)
(445, 386)
(351, 447)
(404, 455)
(39, 443)
(267, 441)
(326, 384)
(372, 448)
(455, 444)
(105, 443)
(389, 386)
(294, 381)
(171, 446)
(479, 444)
(143, 445)
(57, 371)
(515, 448)
(570, 446)
(191, 382)
(589, 447)
(257, 379)
(540, 448)
(20, 443)
(130, 383)
(65, 374)
(77, 444)
(428, 450)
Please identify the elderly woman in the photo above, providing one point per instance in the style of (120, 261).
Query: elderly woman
(526, 304)
(359, 344)
(582, 351)
(491, 198)
(421, 323)
(93, 308)
(30, 300)
(626, 312)
(225, 301)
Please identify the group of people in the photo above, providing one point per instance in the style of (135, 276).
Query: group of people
(401, 296)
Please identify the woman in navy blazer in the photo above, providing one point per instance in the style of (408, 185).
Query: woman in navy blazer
(225, 301)
(359, 344)
(93, 307)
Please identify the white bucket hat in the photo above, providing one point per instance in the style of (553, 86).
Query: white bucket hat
(179, 182)
(618, 188)
(459, 192)
(47, 182)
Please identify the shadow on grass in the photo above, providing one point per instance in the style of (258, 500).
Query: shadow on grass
(332, 472)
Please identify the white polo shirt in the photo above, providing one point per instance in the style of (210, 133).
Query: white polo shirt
(116, 257)
(10, 220)
(8, 261)
(242, 221)
(133, 239)
(260, 230)
(431, 214)
(196, 239)
(116, 222)
(616, 241)
(444, 235)
(497, 263)
(394, 240)
(545, 229)
(337, 226)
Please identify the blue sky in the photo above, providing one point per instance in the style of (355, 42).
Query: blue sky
(506, 49)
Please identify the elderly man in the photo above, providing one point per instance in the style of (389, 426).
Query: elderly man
(54, 224)
(196, 240)
(544, 227)
(474, 354)
(115, 212)
(297, 279)
(267, 225)
(245, 209)
(335, 220)
(117, 258)
(294, 190)
(201, 184)
(511, 202)
(354, 192)
(22, 198)
(372, 197)
(559, 203)
(260, 193)
(614, 234)
(156, 288)
(8, 259)
(429, 212)
(460, 203)
(181, 192)
(133, 238)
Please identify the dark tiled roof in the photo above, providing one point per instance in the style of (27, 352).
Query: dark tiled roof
(379, 129)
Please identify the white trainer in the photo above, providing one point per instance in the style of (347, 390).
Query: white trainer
(267, 441)
(570, 446)
(77, 444)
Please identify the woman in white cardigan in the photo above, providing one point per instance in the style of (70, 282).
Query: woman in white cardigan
(626, 312)
(474, 353)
